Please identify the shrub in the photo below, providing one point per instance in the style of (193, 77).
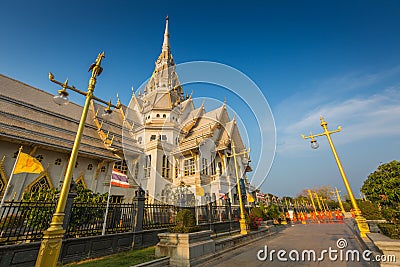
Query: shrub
(272, 212)
(185, 222)
(347, 206)
(370, 210)
(12, 221)
(389, 229)
(391, 215)
(255, 218)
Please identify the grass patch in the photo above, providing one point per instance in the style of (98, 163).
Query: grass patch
(122, 259)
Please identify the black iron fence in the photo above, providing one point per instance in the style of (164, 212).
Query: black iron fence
(87, 219)
(25, 221)
(159, 216)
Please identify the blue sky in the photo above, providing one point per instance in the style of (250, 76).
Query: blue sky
(339, 59)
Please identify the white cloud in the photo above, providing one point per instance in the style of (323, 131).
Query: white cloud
(376, 116)
(356, 80)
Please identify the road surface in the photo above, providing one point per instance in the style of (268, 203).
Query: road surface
(296, 245)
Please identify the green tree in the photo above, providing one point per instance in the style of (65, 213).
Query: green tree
(383, 185)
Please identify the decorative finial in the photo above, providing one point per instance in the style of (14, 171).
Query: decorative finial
(165, 46)
(323, 122)
(118, 101)
(95, 67)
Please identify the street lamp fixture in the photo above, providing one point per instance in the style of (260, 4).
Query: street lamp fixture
(314, 143)
(107, 111)
(52, 239)
(361, 221)
(62, 97)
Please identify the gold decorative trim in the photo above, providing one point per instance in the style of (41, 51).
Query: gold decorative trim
(3, 174)
(43, 174)
(103, 136)
(81, 178)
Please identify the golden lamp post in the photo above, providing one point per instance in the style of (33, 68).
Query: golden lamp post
(312, 200)
(361, 222)
(319, 203)
(242, 221)
(324, 205)
(52, 239)
(339, 200)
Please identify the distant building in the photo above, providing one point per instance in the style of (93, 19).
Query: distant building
(161, 141)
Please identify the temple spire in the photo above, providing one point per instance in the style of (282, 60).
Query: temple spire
(165, 46)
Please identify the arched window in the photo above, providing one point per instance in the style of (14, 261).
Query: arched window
(176, 169)
(43, 182)
(121, 166)
(147, 166)
(204, 166)
(165, 171)
(164, 116)
(189, 167)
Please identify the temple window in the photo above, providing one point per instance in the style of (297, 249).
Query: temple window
(41, 184)
(165, 171)
(204, 166)
(147, 166)
(189, 167)
(39, 158)
(58, 162)
(121, 166)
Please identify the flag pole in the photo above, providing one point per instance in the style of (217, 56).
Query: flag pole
(108, 203)
(9, 180)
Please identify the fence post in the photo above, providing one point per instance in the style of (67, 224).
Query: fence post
(68, 207)
(210, 212)
(140, 197)
(138, 200)
(228, 208)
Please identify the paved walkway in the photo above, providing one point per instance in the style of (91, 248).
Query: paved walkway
(316, 237)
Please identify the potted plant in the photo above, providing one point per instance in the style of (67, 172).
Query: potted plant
(184, 243)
